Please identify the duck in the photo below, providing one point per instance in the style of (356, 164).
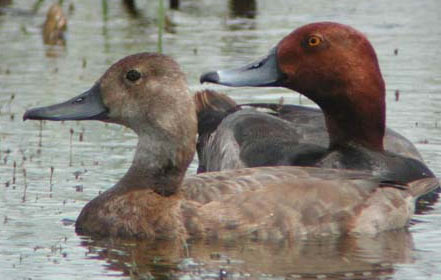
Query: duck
(154, 200)
(336, 67)
(55, 26)
(287, 134)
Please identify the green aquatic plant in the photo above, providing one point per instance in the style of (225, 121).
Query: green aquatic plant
(161, 23)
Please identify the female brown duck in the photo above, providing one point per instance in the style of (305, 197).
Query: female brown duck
(336, 67)
(148, 93)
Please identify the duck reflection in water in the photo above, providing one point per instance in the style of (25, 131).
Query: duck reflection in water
(346, 257)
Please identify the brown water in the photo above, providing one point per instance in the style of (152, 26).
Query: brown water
(37, 238)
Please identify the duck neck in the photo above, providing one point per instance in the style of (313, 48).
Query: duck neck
(356, 125)
(355, 115)
(159, 164)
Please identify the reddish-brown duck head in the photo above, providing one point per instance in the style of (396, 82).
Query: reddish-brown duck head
(335, 66)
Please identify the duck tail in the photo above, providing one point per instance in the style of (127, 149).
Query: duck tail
(423, 186)
(210, 100)
(212, 107)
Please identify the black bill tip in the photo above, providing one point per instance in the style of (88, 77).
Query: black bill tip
(32, 114)
(210, 77)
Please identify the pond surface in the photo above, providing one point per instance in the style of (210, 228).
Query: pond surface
(37, 209)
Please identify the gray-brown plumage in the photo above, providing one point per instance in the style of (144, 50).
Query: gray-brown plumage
(232, 136)
(149, 94)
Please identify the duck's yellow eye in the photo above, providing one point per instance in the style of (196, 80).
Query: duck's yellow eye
(314, 41)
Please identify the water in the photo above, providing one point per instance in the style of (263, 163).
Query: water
(37, 238)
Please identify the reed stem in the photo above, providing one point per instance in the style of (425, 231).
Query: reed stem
(23, 199)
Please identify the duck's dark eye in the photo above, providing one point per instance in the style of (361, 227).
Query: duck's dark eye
(314, 41)
(133, 75)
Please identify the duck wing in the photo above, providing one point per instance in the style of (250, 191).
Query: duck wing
(308, 204)
(235, 136)
(211, 186)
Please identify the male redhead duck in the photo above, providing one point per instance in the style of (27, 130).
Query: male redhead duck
(335, 66)
(149, 94)
(232, 136)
